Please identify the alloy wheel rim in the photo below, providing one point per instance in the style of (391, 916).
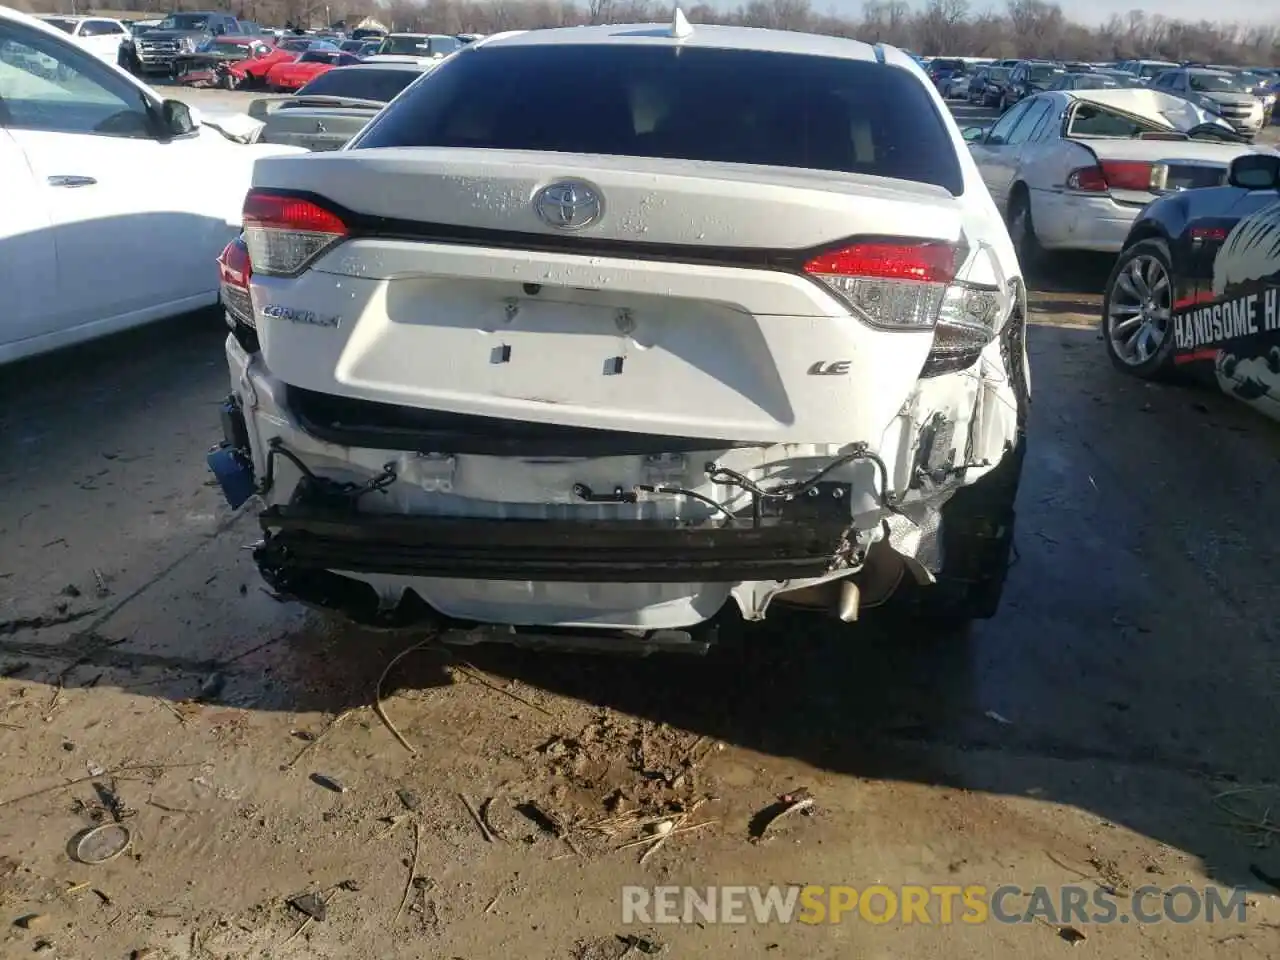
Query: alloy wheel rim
(1139, 310)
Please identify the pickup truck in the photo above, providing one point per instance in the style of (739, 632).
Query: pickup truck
(158, 50)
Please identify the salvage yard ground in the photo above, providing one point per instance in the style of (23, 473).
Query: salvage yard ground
(1115, 726)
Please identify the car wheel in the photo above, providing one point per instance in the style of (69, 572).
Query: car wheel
(1022, 230)
(1137, 310)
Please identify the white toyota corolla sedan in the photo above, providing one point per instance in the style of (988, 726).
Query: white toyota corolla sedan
(584, 334)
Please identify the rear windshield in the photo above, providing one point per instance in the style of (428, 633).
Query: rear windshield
(692, 103)
(362, 84)
(66, 26)
(1045, 72)
(1152, 69)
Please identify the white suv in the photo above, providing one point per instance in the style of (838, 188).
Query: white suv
(583, 331)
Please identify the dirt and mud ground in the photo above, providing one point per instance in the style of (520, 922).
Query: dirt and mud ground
(1085, 736)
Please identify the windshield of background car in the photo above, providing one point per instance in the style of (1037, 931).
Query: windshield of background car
(998, 73)
(687, 103)
(1043, 72)
(1217, 83)
(1119, 77)
(317, 56)
(66, 26)
(1154, 69)
(184, 22)
(238, 51)
(403, 46)
(1093, 81)
(362, 84)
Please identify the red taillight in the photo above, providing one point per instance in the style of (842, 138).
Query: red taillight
(1118, 175)
(1087, 180)
(899, 284)
(291, 213)
(234, 271)
(889, 260)
(285, 233)
(1217, 234)
(1128, 174)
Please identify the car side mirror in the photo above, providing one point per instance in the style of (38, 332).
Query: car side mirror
(178, 118)
(1255, 171)
(973, 134)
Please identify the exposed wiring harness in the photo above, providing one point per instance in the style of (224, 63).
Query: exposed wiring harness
(619, 495)
(345, 489)
(795, 488)
(725, 476)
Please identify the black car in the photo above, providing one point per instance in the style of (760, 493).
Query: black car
(940, 68)
(986, 87)
(1029, 78)
(1196, 289)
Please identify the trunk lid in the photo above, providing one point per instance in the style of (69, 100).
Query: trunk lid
(644, 201)
(670, 314)
(1191, 165)
(316, 123)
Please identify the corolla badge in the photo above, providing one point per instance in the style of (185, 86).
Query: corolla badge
(310, 318)
(568, 204)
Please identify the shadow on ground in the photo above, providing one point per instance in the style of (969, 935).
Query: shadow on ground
(1132, 671)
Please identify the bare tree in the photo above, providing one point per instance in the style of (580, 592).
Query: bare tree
(1025, 28)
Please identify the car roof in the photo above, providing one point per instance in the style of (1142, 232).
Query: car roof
(698, 35)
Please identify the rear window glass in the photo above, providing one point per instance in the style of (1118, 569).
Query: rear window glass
(363, 84)
(691, 103)
(66, 26)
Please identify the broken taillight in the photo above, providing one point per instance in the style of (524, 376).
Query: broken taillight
(285, 233)
(901, 284)
(234, 271)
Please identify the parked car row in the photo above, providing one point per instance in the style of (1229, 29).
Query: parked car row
(1244, 97)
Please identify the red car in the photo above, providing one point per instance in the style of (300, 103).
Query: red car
(287, 77)
(210, 62)
(252, 73)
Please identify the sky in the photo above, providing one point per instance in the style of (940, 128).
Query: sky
(1098, 11)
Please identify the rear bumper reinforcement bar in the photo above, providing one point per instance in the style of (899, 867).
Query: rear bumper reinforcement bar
(309, 538)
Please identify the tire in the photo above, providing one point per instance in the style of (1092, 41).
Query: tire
(1022, 230)
(1118, 304)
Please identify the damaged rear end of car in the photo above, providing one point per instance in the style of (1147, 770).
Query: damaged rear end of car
(615, 379)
